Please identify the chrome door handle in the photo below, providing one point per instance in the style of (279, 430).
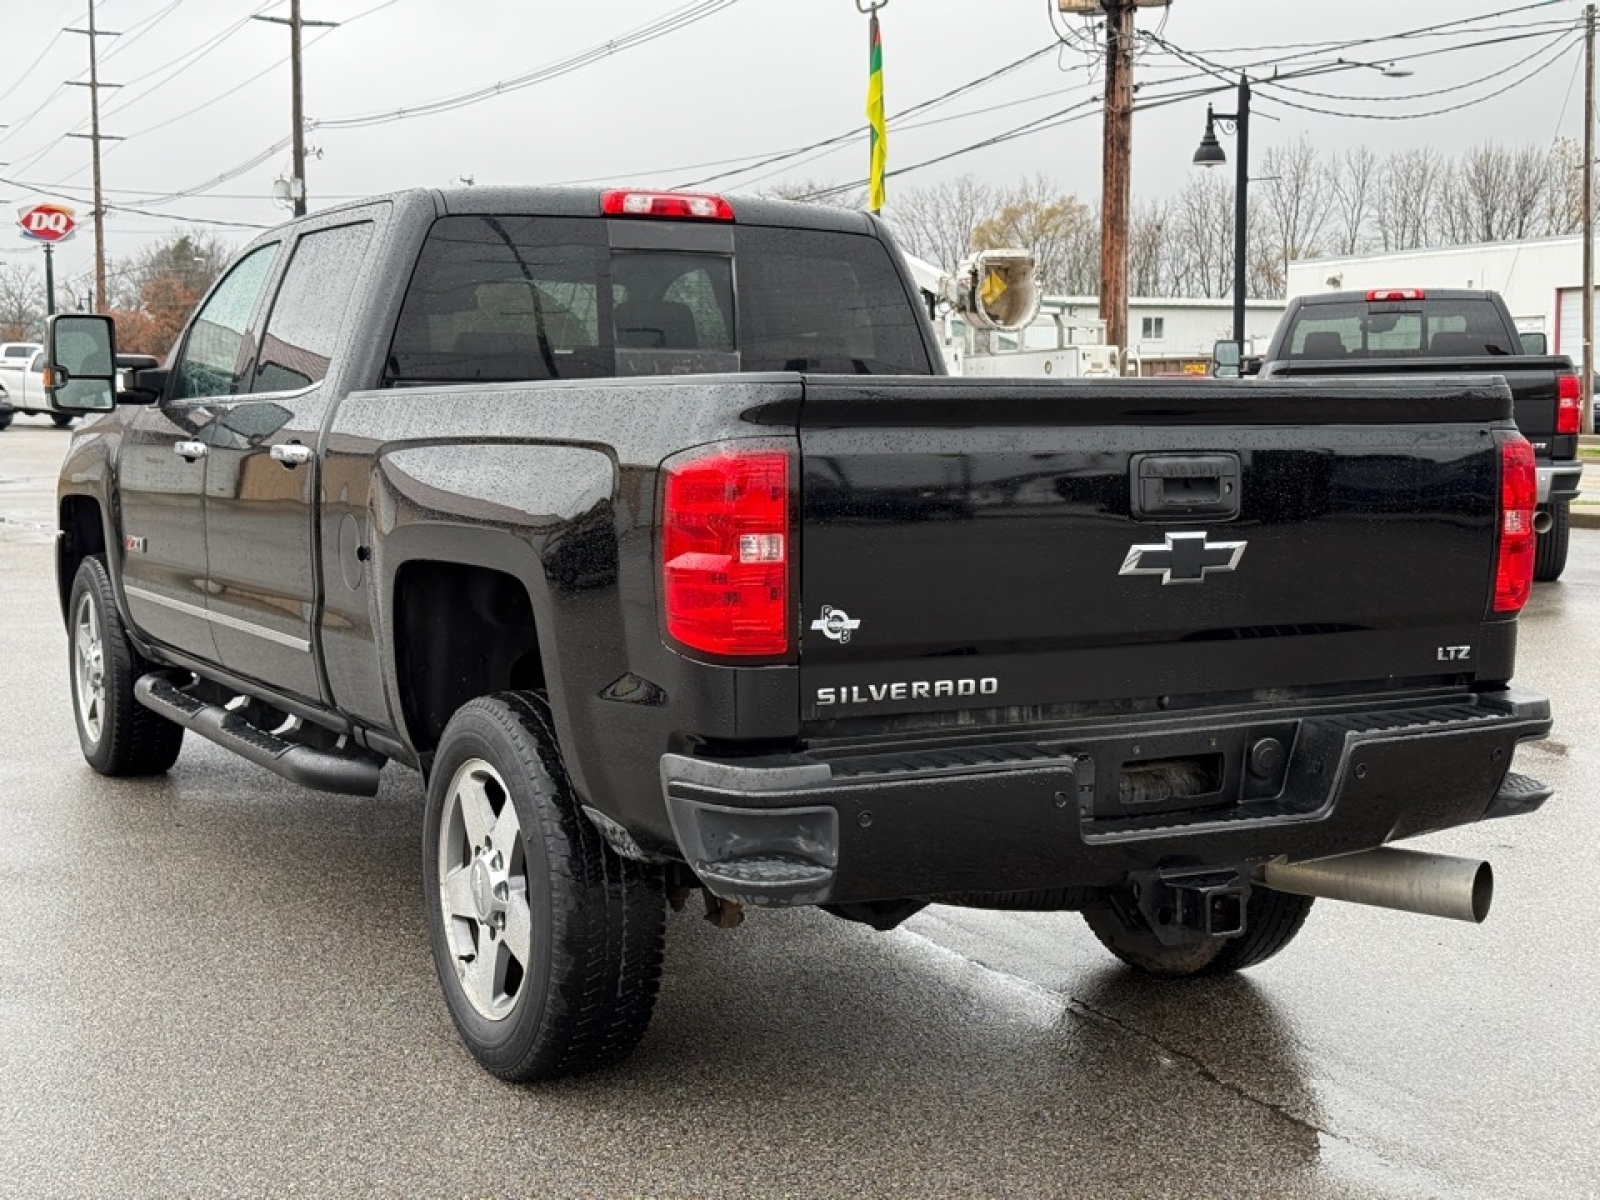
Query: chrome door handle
(189, 450)
(291, 454)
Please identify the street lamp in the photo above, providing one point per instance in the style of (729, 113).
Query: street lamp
(1211, 154)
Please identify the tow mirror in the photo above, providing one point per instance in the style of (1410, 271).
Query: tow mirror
(80, 362)
(1225, 360)
(1535, 343)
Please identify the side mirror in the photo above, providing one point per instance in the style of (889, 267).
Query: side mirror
(1535, 343)
(1225, 360)
(80, 362)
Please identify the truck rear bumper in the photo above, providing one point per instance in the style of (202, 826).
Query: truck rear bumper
(1086, 806)
(1559, 481)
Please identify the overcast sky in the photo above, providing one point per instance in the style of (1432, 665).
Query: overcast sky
(206, 91)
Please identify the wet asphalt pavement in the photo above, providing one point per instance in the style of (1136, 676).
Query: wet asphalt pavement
(217, 983)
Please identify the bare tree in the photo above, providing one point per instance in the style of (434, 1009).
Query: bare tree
(21, 303)
(1147, 250)
(1355, 178)
(1406, 198)
(1202, 236)
(1493, 194)
(1563, 193)
(937, 223)
(1296, 196)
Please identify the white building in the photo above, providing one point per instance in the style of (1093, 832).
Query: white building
(1174, 336)
(1541, 280)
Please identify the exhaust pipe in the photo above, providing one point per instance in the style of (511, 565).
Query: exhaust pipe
(1436, 885)
(1542, 521)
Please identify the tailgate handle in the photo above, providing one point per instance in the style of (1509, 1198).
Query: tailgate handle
(1184, 485)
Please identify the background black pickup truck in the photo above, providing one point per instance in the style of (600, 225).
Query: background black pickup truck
(1447, 332)
(641, 525)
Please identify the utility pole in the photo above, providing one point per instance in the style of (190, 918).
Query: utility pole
(1116, 168)
(1587, 392)
(297, 185)
(95, 138)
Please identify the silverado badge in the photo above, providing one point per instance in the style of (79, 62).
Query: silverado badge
(1183, 558)
(836, 624)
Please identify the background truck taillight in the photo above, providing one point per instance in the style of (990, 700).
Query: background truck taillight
(1569, 403)
(725, 552)
(1519, 495)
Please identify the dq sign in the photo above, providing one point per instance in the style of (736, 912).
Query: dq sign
(47, 222)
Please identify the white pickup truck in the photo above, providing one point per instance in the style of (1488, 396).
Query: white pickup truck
(22, 381)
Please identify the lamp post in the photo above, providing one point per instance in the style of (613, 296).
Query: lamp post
(1211, 154)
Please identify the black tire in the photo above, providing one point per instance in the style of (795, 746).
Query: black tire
(119, 736)
(62, 420)
(595, 922)
(1271, 921)
(5, 420)
(1550, 551)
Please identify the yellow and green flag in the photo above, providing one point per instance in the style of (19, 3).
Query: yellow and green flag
(875, 118)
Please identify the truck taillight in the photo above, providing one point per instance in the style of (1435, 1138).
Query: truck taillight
(1397, 294)
(1519, 496)
(1569, 404)
(725, 552)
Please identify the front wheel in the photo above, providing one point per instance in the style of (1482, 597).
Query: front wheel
(1550, 550)
(547, 943)
(1271, 921)
(119, 735)
(62, 420)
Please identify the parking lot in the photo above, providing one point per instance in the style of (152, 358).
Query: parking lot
(216, 983)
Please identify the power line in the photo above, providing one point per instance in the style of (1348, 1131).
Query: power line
(923, 106)
(1443, 91)
(1555, 43)
(33, 66)
(1561, 52)
(678, 19)
(1421, 31)
(1090, 107)
(186, 220)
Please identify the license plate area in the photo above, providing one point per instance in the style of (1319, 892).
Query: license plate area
(1190, 773)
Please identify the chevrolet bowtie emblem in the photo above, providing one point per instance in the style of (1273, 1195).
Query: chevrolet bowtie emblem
(1183, 558)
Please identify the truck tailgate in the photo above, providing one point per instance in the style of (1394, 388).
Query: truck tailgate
(1534, 384)
(1044, 545)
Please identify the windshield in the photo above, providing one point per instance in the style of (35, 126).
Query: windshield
(512, 298)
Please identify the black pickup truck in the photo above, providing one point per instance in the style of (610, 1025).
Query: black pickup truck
(643, 526)
(1444, 331)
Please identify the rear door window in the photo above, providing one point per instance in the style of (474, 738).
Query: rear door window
(310, 308)
(820, 301)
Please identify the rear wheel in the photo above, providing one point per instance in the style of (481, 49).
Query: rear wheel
(119, 735)
(1550, 551)
(1271, 921)
(547, 942)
